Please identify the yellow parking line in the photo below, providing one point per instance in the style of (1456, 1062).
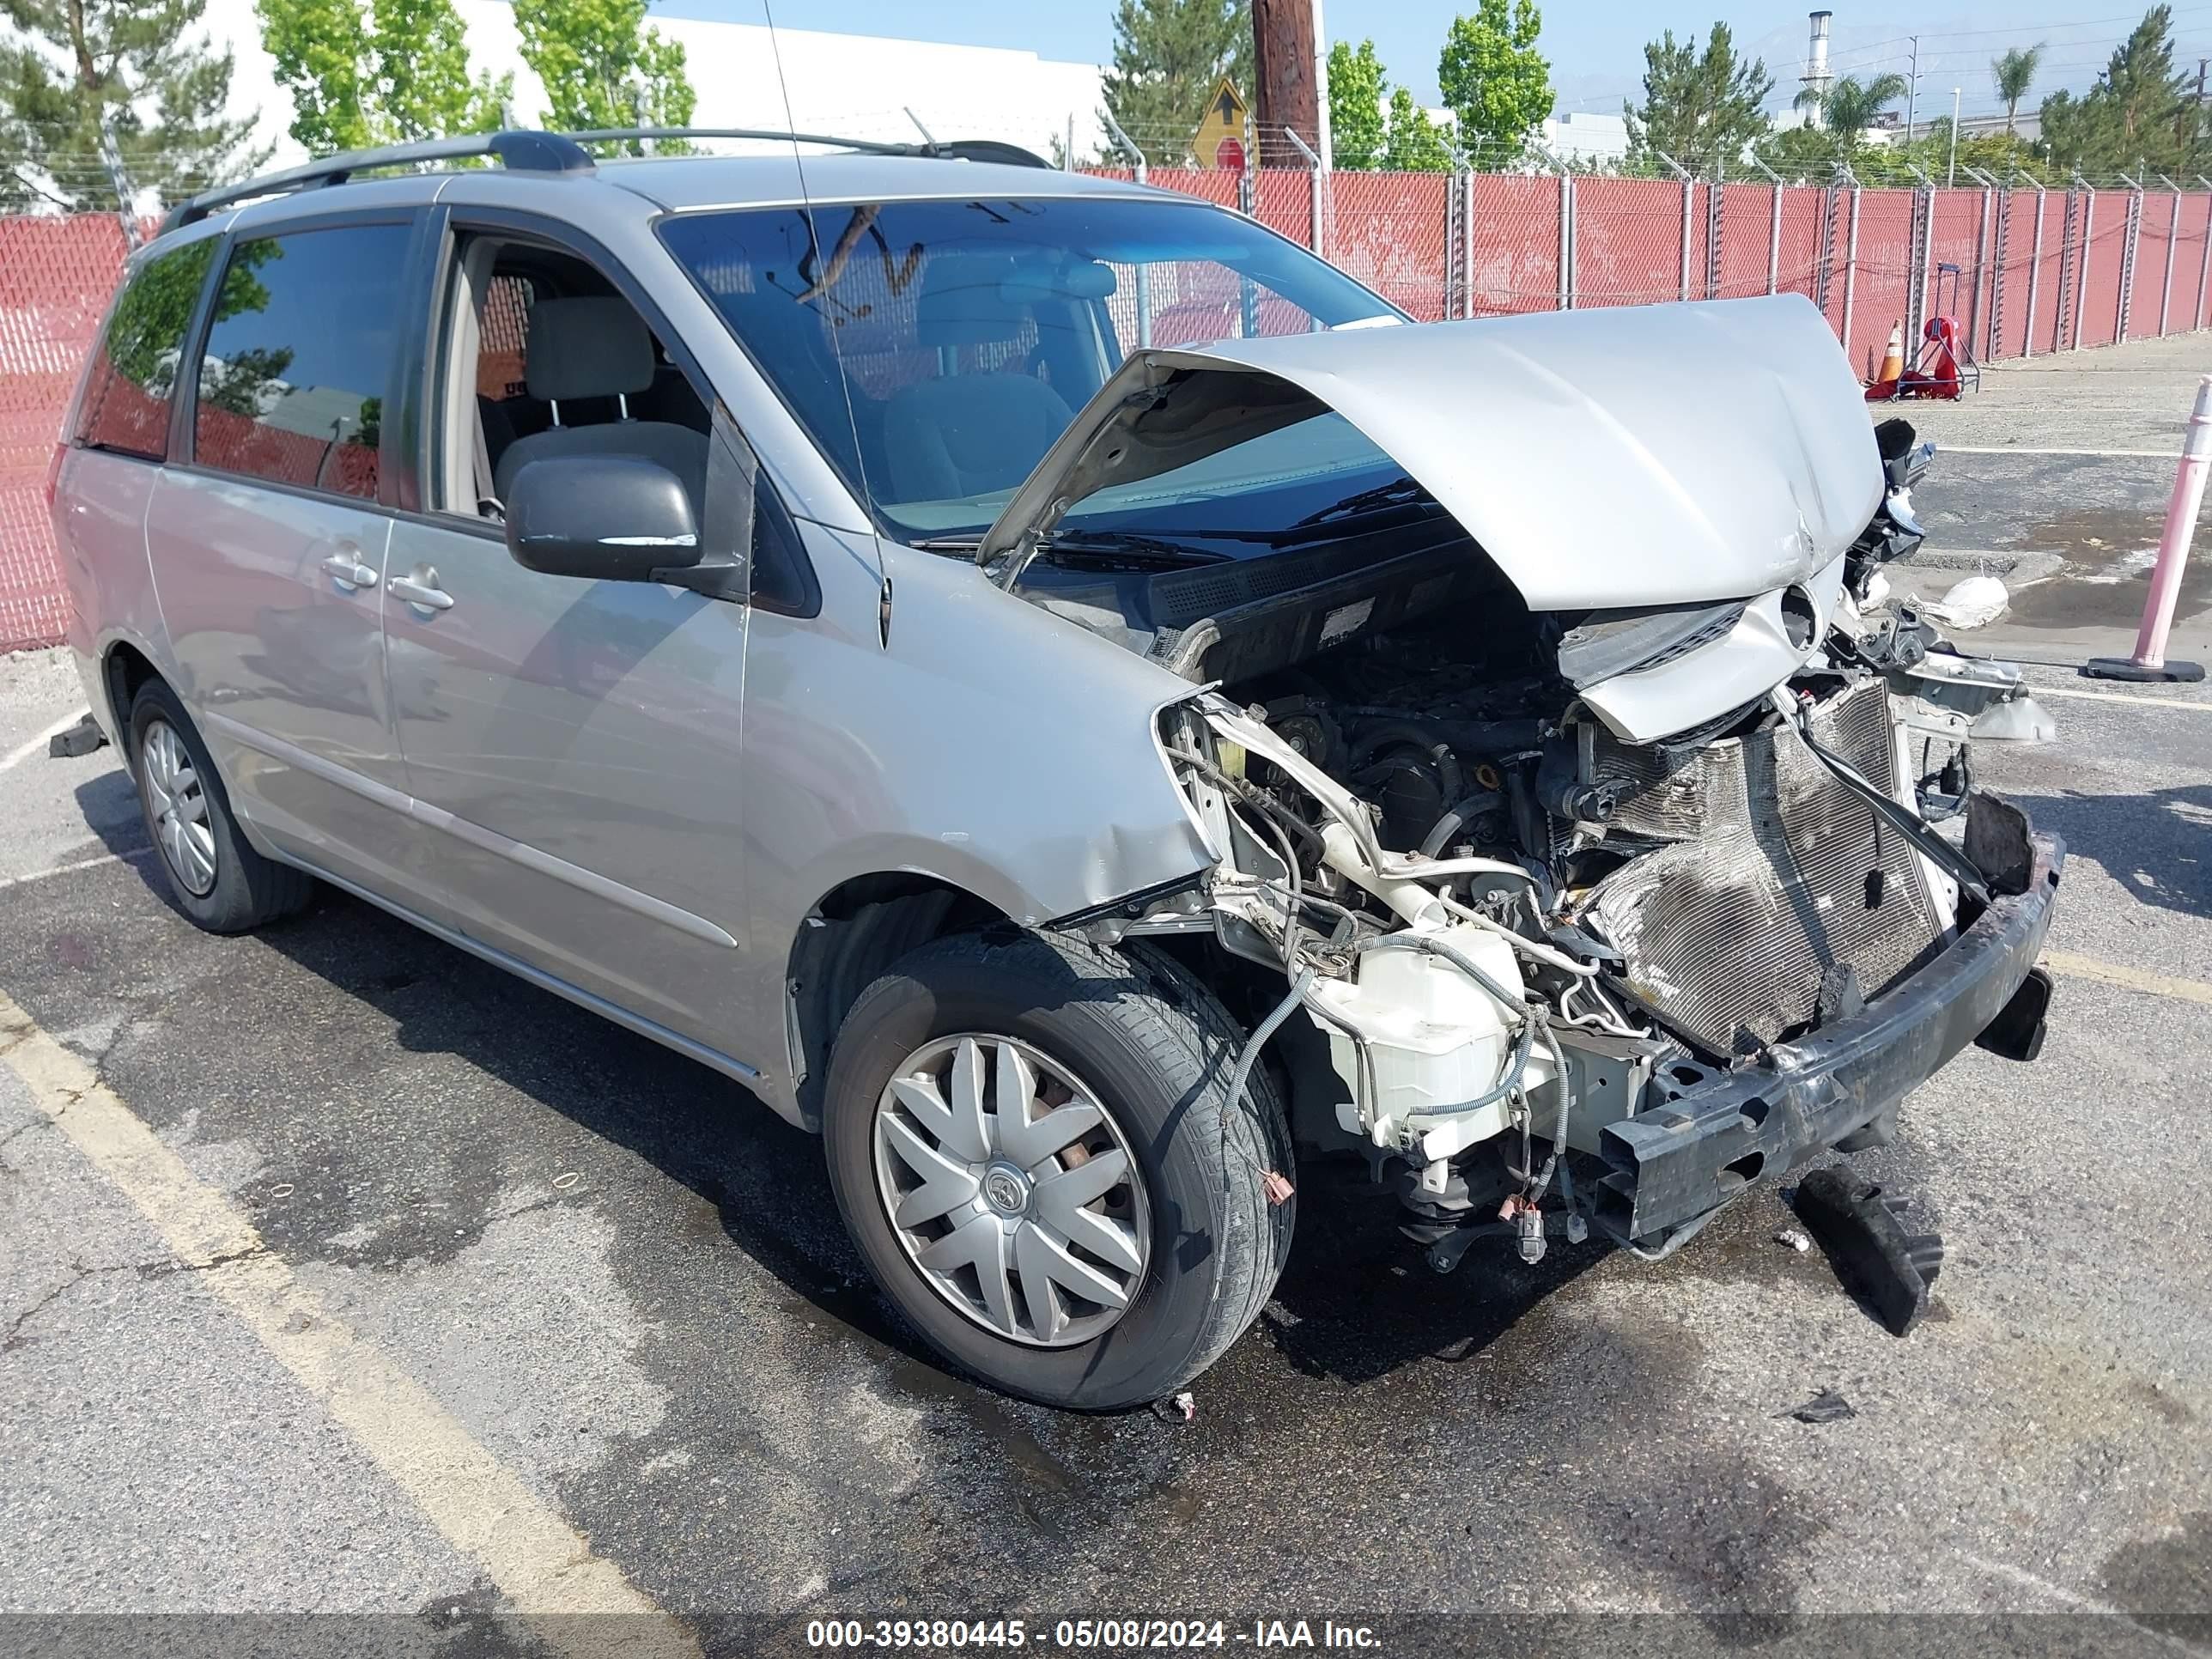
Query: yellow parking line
(543, 1566)
(2132, 979)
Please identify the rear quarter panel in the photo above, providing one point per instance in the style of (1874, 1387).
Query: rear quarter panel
(100, 502)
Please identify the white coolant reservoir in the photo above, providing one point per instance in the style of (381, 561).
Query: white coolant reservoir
(1435, 1041)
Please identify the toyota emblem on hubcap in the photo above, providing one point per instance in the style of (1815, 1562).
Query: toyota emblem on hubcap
(1006, 1192)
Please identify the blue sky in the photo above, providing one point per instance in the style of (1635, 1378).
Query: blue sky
(1596, 47)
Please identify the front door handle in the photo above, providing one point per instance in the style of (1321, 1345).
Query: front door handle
(421, 589)
(349, 572)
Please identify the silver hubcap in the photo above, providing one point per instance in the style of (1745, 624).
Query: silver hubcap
(1011, 1189)
(178, 807)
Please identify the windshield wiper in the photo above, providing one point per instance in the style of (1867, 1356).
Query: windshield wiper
(1106, 546)
(1398, 492)
(1125, 547)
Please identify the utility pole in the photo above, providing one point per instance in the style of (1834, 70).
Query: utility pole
(1912, 89)
(1285, 92)
(1951, 171)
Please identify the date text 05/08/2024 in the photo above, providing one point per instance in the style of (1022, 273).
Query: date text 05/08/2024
(1084, 1634)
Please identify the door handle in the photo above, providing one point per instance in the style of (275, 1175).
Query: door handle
(423, 590)
(349, 572)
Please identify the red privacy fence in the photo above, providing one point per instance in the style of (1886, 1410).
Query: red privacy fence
(2023, 271)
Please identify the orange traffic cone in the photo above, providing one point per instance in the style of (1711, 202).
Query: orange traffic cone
(1884, 384)
(1892, 356)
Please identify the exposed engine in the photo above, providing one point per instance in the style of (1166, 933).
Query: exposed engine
(1513, 928)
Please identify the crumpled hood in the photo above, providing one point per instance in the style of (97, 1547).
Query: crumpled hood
(1632, 456)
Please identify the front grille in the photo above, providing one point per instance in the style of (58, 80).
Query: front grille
(1776, 873)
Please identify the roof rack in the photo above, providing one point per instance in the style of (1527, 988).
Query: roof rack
(959, 150)
(520, 150)
(526, 150)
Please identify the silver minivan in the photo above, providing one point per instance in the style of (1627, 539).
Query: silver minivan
(1063, 692)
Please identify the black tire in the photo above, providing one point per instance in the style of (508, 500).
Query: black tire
(248, 889)
(1158, 1049)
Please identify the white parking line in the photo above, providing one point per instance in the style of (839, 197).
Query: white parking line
(23, 751)
(543, 1565)
(2043, 691)
(6, 881)
(1942, 448)
(2131, 979)
(2067, 1598)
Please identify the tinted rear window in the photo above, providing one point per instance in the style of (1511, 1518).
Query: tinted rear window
(293, 380)
(134, 375)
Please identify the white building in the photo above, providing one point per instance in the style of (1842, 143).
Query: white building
(853, 86)
(1585, 136)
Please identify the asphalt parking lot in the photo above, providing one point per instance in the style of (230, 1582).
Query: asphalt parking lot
(342, 1274)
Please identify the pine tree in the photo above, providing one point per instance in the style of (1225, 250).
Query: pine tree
(1702, 109)
(136, 72)
(1168, 57)
(2138, 115)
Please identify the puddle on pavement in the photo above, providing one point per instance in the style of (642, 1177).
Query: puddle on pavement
(2108, 553)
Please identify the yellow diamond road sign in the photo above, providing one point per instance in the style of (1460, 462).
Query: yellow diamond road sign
(1220, 141)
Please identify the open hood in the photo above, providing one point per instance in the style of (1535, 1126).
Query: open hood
(1637, 456)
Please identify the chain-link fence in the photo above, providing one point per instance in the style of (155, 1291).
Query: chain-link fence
(2020, 270)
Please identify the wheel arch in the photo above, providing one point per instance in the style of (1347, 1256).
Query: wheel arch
(124, 665)
(846, 941)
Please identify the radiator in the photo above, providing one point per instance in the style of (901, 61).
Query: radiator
(1773, 872)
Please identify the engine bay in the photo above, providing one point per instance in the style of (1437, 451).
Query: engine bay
(1512, 928)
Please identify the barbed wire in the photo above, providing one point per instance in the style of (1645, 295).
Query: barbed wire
(53, 187)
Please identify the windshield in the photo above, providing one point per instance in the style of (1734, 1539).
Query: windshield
(962, 336)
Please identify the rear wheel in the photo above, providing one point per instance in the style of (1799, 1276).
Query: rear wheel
(214, 876)
(1031, 1142)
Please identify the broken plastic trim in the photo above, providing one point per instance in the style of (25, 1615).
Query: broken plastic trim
(1131, 906)
(1885, 1267)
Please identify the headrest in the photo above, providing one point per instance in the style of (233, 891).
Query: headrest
(593, 347)
(960, 303)
(978, 299)
(1083, 279)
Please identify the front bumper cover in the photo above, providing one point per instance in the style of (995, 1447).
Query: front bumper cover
(1678, 1162)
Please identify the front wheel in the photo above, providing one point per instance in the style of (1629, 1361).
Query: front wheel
(1030, 1140)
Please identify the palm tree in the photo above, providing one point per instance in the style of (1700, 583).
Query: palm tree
(2014, 73)
(1849, 106)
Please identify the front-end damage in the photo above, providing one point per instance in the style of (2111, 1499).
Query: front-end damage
(1682, 967)
(1576, 794)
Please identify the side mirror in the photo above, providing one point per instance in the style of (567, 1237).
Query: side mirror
(605, 517)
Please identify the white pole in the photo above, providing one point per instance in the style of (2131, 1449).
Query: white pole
(1321, 93)
(1144, 284)
(2149, 661)
(1951, 171)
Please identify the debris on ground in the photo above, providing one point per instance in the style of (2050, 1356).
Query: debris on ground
(79, 739)
(1183, 1408)
(1974, 603)
(1826, 1406)
(1795, 1238)
(1885, 1267)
